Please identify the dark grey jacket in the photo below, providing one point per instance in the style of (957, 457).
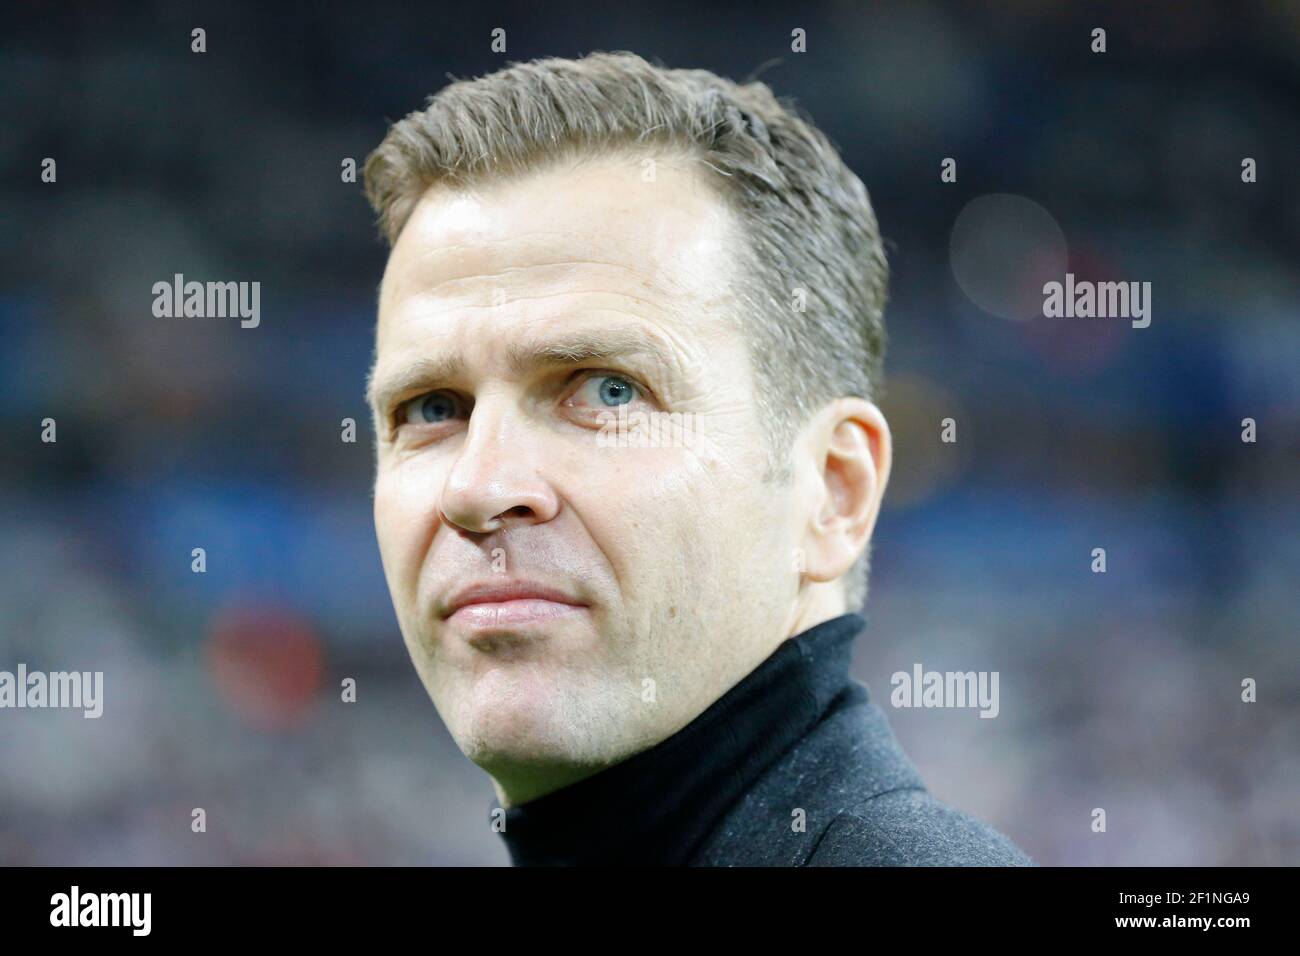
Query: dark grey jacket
(863, 802)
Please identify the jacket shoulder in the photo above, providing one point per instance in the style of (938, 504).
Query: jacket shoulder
(910, 827)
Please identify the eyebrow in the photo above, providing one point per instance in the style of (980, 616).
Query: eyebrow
(596, 345)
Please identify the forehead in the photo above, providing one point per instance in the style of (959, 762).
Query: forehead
(614, 233)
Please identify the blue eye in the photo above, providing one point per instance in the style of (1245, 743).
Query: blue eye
(616, 391)
(611, 390)
(429, 409)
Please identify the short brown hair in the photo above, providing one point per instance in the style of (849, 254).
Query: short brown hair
(815, 312)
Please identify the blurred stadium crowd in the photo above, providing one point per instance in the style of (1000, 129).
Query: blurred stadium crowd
(1119, 690)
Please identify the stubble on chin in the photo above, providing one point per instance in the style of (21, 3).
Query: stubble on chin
(518, 718)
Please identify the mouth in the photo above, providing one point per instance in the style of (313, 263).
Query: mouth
(497, 606)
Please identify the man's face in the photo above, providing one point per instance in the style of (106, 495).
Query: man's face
(614, 591)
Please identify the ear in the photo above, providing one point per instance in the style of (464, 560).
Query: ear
(853, 450)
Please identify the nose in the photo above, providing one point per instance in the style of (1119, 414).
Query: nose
(494, 482)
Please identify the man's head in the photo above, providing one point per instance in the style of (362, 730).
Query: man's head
(573, 239)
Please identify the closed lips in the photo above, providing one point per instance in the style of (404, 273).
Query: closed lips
(502, 593)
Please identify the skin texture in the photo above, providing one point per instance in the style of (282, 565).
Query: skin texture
(691, 569)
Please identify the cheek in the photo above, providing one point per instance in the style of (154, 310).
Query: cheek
(405, 518)
(658, 515)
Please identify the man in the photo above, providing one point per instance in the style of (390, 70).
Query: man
(642, 633)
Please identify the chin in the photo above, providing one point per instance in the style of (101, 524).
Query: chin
(521, 717)
(508, 717)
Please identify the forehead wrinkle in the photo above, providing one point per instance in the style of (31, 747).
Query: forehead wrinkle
(587, 345)
(655, 282)
(652, 315)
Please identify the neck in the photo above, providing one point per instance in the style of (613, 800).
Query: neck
(818, 602)
(520, 786)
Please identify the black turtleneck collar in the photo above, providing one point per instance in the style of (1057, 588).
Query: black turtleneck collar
(657, 806)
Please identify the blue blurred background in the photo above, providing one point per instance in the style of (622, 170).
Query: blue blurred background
(1118, 690)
